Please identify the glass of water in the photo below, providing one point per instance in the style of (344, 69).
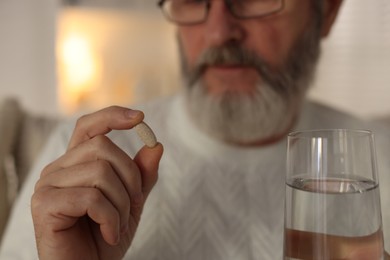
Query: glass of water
(332, 208)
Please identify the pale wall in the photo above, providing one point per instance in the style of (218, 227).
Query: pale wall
(27, 65)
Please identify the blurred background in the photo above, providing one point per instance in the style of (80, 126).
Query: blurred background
(63, 57)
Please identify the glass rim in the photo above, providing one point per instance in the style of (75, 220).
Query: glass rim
(321, 146)
(313, 133)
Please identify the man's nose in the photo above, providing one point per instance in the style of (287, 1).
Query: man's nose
(221, 26)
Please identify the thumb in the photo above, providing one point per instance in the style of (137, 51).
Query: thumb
(148, 160)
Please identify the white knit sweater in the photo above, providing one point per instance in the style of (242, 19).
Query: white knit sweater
(212, 200)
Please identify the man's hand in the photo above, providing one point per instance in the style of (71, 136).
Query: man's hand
(88, 203)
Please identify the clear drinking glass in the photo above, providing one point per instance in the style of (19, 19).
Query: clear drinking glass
(332, 208)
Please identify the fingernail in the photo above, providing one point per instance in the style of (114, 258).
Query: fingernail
(130, 113)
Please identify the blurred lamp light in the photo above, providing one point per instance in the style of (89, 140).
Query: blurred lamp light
(109, 57)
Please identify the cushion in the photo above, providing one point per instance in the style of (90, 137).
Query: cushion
(22, 137)
(10, 117)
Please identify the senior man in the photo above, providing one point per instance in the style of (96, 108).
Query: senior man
(247, 65)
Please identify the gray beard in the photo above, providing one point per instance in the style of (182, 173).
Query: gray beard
(265, 114)
(242, 119)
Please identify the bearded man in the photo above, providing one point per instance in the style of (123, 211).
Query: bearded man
(247, 65)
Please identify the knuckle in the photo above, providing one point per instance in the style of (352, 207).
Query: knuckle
(102, 170)
(100, 141)
(132, 166)
(80, 122)
(38, 185)
(102, 167)
(39, 201)
(94, 196)
(49, 168)
(45, 171)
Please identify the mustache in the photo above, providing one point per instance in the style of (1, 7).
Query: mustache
(232, 55)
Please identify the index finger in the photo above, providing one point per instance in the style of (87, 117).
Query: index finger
(102, 122)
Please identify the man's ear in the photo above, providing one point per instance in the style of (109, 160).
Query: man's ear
(330, 11)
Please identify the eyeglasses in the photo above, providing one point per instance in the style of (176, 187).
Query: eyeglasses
(189, 12)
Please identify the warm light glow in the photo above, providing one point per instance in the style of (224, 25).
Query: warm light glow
(79, 62)
(109, 57)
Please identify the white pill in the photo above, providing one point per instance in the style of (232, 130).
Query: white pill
(146, 134)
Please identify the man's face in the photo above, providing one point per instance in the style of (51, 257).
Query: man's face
(270, 38)
(249, 74)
